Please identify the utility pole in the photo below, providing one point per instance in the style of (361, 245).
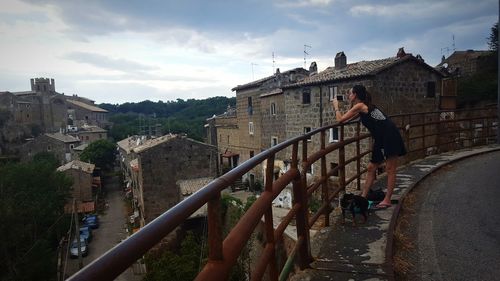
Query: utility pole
(77, 236)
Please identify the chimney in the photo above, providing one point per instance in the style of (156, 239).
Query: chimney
(32, 84)
(419, 57)
(442, 59)
(278, 70)
(340, 60)
(313, 69)
(401, 53)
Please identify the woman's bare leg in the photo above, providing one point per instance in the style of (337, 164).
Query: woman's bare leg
(370, 177)
(391, 166)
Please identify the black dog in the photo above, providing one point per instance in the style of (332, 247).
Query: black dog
(350, 202)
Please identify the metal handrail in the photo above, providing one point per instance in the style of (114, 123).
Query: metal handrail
(224, 252)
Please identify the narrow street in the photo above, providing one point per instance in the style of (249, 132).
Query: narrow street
(453, 223)
(112, 230)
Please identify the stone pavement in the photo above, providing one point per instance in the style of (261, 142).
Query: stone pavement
(344, 252)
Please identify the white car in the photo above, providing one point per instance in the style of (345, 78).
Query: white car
(84, 247)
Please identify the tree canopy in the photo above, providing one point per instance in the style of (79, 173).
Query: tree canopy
(493, 38)
(102, 153)
(32, 220)
(178, 116)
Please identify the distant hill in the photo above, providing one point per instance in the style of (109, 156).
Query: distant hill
(180, 116)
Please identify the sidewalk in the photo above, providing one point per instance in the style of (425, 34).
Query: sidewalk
(344, 252)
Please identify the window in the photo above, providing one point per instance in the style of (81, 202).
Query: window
(273, 108)
(274, 141)
(250, 128)
(334, 135)
(227, 138)
(250, 107)
(49, 148)
(332, 93)
(431, 89)
(306, 97)
(251, 153)
(71, 146)
(307, 130)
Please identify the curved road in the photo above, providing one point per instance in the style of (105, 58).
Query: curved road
(456, 226)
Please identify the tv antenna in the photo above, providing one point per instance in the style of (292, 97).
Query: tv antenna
(306, 53)
(252, 70)
(273, 62)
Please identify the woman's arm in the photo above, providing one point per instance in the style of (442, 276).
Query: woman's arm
(351, 114)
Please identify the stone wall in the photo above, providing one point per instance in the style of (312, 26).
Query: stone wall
(81, 189)
(273, 121)
(163, 165)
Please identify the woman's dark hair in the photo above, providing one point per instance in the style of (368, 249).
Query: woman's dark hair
(363, 95)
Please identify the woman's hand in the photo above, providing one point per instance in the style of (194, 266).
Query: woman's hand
(335, 104)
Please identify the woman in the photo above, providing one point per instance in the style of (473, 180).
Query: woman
(388, 144)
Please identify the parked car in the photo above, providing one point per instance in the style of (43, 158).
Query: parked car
(86, 232)
(91, 220)
(84, 248)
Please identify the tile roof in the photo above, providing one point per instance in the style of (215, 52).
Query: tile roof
(257, 83)
(355, 70)
(188, 187)
(62, 137)
(77, 165)
(138, 144)
(93, 129)
(86, 106)
(465, 55)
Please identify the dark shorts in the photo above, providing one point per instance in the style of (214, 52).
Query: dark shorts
(391, 144)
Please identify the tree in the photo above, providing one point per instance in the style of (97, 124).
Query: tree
(46, 158)
(493, 38)
(101, 153)
(172, 266)
(32, 218)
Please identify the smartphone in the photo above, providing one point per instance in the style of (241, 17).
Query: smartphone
(340, 97)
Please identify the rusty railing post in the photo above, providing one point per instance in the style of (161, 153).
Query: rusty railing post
(300, 197)
(214, 229)
(358, 151)
(342, 158)
(324, 186)
(268, 217)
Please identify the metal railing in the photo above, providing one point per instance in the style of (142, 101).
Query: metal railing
(424, 133)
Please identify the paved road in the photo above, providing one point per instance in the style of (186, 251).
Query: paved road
(456, 228)
(111, 230)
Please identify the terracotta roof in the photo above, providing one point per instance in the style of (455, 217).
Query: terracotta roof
(459, 56)
(188, 187)
(62, 137)
(87, 106)
(93, 129)
(257, 83)
(77, 165)
(357, 69)
(272, 93)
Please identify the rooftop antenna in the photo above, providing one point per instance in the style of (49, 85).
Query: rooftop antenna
(453, 38)
(252, 69)
(306, 53)
(273, 62)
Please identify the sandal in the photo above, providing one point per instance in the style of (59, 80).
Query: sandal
(382, 206)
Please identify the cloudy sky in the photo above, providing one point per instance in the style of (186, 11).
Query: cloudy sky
(116, 51)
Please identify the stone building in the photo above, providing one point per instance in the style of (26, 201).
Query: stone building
(289, 104)
(222, 132)
(257, 105)
(61, 145)
(87, 133)
(27, 114)
(81, 113)
(83, 181)
(400, 84)
(467, 63)
(154, 167)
